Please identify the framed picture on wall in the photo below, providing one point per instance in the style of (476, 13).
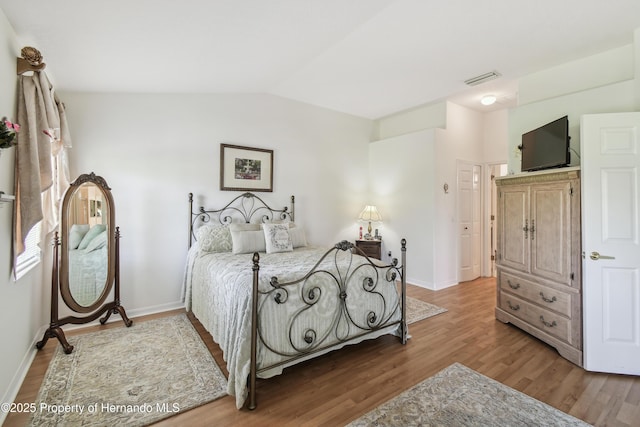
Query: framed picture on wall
(245, 168)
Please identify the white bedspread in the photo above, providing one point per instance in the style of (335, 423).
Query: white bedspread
(87, 274)
(218, 291)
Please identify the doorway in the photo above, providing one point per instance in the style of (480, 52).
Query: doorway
(493, 171)
(477, 225)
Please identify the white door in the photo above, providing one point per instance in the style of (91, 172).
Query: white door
(610, 147)
(469, 217)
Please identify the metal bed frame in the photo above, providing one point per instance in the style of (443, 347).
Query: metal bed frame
(248, 208)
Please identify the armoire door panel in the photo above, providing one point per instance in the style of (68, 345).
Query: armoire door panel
(514, 207)
(550, 233)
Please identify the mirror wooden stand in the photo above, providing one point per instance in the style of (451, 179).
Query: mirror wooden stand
(86, 258)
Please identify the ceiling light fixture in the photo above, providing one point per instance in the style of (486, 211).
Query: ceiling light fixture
(488, 100)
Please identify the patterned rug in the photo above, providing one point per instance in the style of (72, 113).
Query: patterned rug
(129, 376)
(459, 396)
(419, 310)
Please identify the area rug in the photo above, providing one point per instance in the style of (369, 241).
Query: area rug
(419, 310)
(459, 396)
(129, 376)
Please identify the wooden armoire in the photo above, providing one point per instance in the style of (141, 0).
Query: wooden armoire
(539, 284)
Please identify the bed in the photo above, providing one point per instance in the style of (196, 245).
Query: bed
(88, 256)
(270, 300)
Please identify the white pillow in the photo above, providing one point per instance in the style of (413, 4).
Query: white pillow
(244, 226)
(247, 241)
(298, 238)
(97, 242)
(277, 238)
(214, 238)
(280, 221)
(76, 233)
(93, 232)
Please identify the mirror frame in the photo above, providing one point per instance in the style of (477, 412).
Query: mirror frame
(108, 212)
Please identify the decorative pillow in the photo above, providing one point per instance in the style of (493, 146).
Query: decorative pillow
(247, 241)
(298, 238)
(214, 238)
(93, 232)
(76, 233)
(277, 238)
(97, 242)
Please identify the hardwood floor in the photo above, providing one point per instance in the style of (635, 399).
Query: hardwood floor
(337, 388)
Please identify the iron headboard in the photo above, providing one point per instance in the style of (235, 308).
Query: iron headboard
(245, 208)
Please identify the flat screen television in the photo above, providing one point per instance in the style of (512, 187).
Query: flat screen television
(547, 146)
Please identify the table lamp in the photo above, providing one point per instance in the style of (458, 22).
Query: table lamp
(370, 213)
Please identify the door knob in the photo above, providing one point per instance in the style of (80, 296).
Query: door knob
(596, 256)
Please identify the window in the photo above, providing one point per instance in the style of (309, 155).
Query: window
(32, 252)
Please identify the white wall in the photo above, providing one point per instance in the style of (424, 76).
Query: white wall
(155, 149)
(612, 66)
(23, 304)
(402, 171)
(430, 116)
(495, 136)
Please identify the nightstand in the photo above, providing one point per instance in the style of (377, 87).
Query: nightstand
(371, 248)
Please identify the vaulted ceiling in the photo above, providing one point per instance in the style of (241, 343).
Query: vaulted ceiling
(370, 58)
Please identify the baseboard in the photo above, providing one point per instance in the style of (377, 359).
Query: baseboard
(155, 309)
(432, 286)
(445, 285)
(420, 283)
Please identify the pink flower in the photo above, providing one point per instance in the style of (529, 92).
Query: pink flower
(13, 126)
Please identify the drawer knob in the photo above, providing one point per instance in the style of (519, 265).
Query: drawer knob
(547, 324)
(545, 299)
(512, 307)
(512, 286)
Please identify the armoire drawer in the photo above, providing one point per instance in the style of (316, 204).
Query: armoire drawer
(550, 298)
(548, 321)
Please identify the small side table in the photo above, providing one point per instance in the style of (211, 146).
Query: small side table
(371, 248)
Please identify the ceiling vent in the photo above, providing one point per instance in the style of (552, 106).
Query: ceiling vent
(473, 81)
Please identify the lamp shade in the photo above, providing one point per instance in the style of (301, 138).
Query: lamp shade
(370, 213)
